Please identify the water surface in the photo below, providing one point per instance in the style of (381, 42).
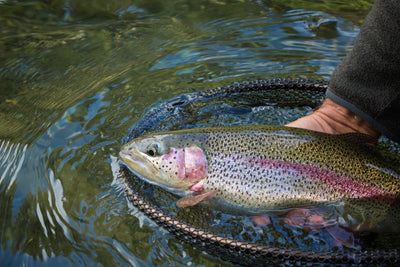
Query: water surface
(76, 75)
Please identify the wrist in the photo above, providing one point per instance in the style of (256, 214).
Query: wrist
(333, 118)
(339, 120)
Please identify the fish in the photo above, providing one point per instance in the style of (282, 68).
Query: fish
(257, 168)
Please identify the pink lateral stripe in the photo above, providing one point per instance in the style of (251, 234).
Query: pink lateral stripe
(338, 182)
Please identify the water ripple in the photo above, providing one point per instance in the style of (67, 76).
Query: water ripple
(56, 199)
(76, 75)
(12, 157)
(256, 46)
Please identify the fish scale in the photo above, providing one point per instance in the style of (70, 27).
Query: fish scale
(264, 167)
(252, 186)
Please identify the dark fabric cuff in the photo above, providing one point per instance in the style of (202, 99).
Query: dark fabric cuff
(367, 81)
(370, 120)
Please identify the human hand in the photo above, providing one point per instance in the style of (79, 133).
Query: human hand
(332, 118)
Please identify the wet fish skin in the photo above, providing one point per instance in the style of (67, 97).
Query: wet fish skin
(267, 167)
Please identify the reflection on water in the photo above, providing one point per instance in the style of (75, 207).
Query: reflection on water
(74, 77)
(11, 159)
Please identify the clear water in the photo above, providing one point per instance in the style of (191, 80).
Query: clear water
(76, 75)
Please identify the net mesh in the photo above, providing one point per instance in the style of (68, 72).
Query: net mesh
(190, 110)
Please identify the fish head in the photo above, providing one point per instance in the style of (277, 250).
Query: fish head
(165, 160)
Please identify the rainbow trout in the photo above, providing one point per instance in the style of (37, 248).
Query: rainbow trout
(261, 167)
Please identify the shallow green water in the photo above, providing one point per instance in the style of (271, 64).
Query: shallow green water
(76, 75)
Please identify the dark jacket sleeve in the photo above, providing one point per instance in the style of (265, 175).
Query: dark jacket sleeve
(367, 81)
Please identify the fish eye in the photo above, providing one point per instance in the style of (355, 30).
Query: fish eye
(153, 150)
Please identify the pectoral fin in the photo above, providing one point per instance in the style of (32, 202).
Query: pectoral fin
(193, 200)
(343, 237)
(261, 220)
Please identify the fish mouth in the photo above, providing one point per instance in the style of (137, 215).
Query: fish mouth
(138, 163)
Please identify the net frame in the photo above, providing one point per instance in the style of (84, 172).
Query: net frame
(236, 251)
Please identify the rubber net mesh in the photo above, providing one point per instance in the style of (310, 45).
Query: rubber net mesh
(272, 102)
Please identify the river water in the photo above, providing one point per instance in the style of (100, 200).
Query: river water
(76, 75)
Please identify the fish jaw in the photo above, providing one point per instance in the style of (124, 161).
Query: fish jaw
(173, 168)
(139, 164)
